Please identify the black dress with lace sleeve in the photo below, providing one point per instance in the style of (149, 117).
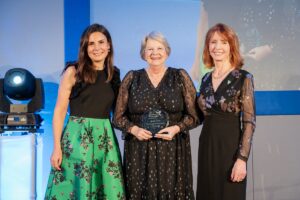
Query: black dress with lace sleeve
(157, 169)
(228, 127)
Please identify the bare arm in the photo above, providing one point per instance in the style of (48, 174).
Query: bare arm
(60, 110)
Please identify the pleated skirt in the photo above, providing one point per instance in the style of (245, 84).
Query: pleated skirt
(91, 163)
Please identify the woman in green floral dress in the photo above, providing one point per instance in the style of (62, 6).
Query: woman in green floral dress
(86, 158)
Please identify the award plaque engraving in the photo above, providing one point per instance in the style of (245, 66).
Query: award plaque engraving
(155, 120)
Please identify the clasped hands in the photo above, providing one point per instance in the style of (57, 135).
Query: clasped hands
(167, 133)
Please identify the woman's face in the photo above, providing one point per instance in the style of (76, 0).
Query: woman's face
(98, 48)
(155, 53)
(219, 48)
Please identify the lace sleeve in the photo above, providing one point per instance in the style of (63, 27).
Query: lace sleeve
(190, 118)
(248, 117)
(115, 83)
(120, 119)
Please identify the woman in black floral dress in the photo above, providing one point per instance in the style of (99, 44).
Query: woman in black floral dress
(227, 101)
(157, 167)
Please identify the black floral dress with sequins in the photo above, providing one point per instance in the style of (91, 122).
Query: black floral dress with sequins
(229, 123)
(157, 169)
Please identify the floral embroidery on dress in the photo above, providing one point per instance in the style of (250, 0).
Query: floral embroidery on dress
(83, 171)
(67, 147)
(58, 176)
(86, 137)
(114, 169)
(234, 95)
(105, 143)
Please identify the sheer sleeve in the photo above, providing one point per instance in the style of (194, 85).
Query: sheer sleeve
(115, 83)
(190, 118)
(120, 119)
(248, 117)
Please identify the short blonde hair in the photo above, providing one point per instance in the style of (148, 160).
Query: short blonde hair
(157, 36)
(228, 33)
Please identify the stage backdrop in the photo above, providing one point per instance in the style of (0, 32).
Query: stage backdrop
(269, 37)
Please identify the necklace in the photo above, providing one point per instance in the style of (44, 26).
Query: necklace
(222, 74)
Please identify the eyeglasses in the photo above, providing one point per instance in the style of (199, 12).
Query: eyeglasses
(152, 50)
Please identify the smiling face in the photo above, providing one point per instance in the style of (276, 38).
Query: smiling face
(155, 53)
(98, 48)
(219, 48)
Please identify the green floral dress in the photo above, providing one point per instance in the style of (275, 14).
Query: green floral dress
(91, 163)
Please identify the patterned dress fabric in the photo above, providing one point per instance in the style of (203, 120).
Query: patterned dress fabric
(91, 163)
(228, 127)
(157, 169)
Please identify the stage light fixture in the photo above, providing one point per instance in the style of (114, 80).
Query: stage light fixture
(21, 97)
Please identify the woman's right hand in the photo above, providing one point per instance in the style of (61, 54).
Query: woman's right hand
(56, 158)
(140, 133)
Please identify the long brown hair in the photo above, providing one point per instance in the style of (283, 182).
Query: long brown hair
(85, 71)
(228, 33)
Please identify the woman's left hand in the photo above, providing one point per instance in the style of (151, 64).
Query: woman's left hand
(168, 133)
(239, 171)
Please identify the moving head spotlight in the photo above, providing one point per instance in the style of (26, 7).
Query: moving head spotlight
(19, 85)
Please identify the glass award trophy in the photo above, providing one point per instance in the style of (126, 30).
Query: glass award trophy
(155, 120)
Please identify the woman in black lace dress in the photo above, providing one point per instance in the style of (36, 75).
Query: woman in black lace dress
(157, 167)
(227, 101)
